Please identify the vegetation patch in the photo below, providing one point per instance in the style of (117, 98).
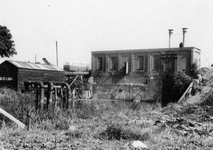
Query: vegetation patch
(119, 132)
(173, 88)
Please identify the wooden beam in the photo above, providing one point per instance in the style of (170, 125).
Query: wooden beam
(20, 124)
(114, 100)
(187, 91)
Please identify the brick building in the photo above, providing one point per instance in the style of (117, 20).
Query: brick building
(122, 74)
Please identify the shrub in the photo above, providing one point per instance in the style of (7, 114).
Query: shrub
(173, 88)
(181, 82)
(119, 132)
(194, 70)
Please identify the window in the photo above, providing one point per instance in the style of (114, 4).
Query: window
(156, 63)
(99, 63)
(113, 63)
(141, 63)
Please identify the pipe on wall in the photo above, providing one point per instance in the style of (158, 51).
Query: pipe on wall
(50, 94)
(68, 90)
(40, 102)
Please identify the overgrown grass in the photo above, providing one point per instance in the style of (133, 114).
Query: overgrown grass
(94, 125)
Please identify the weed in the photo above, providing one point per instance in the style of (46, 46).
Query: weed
(102, 125)
(119, 132)
(62, 124)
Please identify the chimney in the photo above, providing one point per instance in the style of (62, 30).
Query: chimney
(184, 31)
(170, 33)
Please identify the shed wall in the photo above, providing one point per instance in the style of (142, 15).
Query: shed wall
(8, 75)
(13, 77)
(39, 75)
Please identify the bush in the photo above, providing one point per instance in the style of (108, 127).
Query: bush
(181, 83)
(172, 89)
(194, 70)
(119, 132)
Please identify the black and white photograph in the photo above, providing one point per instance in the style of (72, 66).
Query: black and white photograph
(106, 75)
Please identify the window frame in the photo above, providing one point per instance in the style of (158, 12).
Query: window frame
(96, 65)
(99, 64)
(112, 63)
(153, 62)
(137, 62)
(141, 67)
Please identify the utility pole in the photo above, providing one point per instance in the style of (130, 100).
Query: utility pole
(56, 53)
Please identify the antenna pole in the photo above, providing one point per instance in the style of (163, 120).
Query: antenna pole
(56, 53)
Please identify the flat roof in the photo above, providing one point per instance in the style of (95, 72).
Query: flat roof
(149, 49)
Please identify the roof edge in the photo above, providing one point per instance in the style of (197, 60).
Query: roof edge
(148, 49)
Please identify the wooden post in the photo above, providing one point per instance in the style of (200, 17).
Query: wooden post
(29, 120)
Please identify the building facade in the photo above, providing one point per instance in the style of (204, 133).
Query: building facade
(123, 74)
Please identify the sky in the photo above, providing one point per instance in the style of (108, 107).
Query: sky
(82, 26)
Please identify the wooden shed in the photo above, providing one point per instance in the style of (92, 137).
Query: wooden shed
(14, 73)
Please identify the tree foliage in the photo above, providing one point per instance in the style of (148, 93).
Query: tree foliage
(7, 46)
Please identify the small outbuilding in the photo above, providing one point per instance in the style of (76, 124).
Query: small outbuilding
(13, 74)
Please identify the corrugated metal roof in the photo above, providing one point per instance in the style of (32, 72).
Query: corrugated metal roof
(27, 65)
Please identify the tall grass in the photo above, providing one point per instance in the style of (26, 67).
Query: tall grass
(15, 103)
(92, 125)
(21, 105)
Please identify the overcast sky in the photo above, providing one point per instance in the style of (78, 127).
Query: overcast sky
(82, 26)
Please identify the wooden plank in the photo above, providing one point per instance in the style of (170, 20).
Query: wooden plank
(187, 90)
(114, 100)
(20, 124)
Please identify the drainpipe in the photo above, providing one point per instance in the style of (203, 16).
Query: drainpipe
(41, 94)
(50, 94)
(184, 32)
(67, 98)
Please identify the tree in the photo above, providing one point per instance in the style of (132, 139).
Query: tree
(7, 46)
